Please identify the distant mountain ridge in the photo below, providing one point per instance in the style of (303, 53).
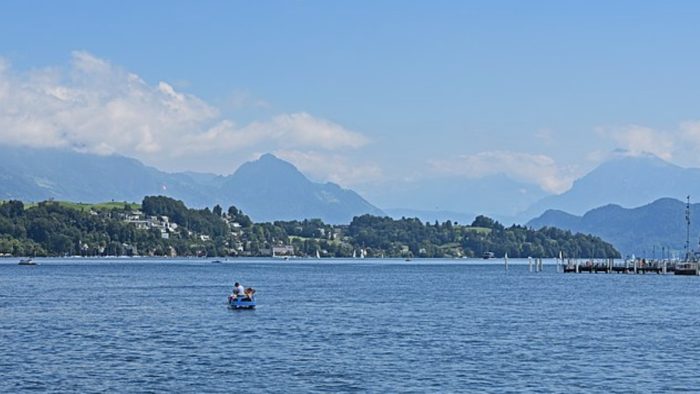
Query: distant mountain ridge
(266, 189)
(272, 189)
(496, 196)
(288, 194)
(643, 231)
(626, 181)
(39, 174)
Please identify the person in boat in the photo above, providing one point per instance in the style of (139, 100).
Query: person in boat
(238, 291)
(249, 292)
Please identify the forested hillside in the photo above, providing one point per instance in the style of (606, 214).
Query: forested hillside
(162, 226)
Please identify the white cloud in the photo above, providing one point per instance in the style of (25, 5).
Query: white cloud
(538, 169)
(690, 132)
(95, 106)
(679, 144)
(332, 167)
(639, 140)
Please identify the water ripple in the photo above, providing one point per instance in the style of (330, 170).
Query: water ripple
(130, 326)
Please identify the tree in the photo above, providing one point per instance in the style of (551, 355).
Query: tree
(12, 208)
(483, 221)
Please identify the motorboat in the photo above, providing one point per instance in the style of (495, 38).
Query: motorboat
(241, 302)
(488, 255)
(687, 268)
(27, 261)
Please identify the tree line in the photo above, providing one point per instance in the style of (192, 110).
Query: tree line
(50, 228)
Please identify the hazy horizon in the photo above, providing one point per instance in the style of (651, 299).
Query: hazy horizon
(360, 96)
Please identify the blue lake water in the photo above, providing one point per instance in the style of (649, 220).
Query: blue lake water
(343, 326)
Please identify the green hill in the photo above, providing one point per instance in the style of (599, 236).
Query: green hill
(644, 231)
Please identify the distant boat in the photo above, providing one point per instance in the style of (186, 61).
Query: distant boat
(488, 255)
(27, 262)
(216, 262)
(242, 302)
(687, 268)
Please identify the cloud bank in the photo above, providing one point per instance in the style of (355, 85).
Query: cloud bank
(97, 107)
(678, 144)
(538, 169)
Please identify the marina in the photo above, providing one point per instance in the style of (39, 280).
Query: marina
(689, 266)
(637, 266)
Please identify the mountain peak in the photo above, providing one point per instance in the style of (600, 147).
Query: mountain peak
(270, 189)
(642, 159)
(269, 157)
(271, 168)
(625, 180)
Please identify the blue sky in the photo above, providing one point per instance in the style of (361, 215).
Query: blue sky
(365, 92)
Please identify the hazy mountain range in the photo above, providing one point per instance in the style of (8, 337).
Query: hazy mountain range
(267, 189)
(38, 174)
(272, 189)
(647, 230)
(628, 181)
(453, 198)
(625, 181)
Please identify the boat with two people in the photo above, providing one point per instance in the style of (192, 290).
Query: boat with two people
(27, 261)
(241, 298)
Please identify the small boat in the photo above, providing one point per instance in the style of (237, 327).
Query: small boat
(241, 302)
(27, 262)
(488, 255)
(687, 268)
(216, 262)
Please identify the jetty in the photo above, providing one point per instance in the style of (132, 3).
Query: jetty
(630, 266)
(689, 266)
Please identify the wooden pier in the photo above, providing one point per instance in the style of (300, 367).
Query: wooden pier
(638, 266)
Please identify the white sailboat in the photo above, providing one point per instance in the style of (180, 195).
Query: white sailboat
(690, 265)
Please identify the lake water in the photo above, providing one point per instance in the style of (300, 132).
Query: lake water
(343, 326)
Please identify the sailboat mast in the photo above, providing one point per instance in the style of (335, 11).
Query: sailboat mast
(687, 235)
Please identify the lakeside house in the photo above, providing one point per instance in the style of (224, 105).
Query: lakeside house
(283, 251)
(142, 222)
